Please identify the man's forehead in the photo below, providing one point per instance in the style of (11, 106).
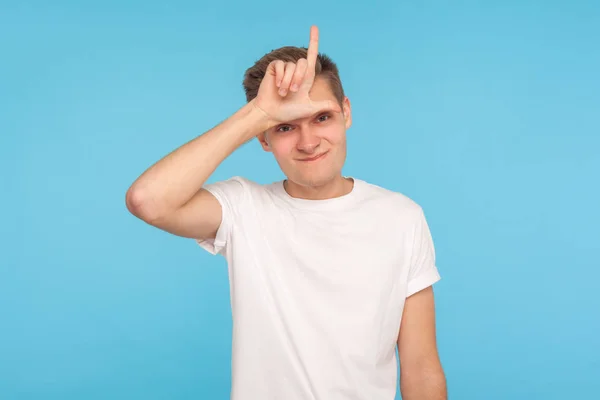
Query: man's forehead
(321, 90)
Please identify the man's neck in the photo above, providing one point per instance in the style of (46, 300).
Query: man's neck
(337, 187)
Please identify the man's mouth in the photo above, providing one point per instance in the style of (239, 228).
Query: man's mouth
(314, 158)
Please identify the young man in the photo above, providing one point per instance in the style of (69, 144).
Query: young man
(328, 273)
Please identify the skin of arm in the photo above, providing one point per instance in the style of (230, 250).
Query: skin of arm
(421, 374)
(172, 181)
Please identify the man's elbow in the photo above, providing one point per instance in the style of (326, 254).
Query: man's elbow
(139, 204)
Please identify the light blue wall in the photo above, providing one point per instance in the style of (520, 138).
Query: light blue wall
(485, 113)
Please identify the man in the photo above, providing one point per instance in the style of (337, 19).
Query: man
(328, 273)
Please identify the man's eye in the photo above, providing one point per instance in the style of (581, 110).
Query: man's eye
(284, 128)
(323, 117)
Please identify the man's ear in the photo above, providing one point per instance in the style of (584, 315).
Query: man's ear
(264, 141)
(347, 108)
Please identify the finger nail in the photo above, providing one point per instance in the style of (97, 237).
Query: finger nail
(282, 92)
(294, 87)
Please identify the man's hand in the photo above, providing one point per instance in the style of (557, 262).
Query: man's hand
(284, 93)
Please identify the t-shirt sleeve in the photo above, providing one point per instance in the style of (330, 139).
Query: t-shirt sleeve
(230, 194)
(423, 271)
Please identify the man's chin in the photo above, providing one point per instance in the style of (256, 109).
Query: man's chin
(311, 181)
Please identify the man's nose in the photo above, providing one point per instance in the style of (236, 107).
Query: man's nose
(308, 142)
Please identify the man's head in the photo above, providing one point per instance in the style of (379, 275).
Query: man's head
(294, 143)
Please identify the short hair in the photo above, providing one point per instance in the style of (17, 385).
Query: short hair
(324, 68)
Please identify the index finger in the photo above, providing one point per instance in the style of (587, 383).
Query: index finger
(313, 48)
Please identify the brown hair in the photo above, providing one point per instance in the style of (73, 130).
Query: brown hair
(325, 68)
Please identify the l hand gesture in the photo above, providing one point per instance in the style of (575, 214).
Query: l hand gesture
(283, 94)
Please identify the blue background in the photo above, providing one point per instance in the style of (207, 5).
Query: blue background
(485, 113)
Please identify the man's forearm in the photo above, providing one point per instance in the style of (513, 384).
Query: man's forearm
(176, 178)
(426, 383)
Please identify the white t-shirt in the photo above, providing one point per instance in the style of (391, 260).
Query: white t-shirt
(318, 288)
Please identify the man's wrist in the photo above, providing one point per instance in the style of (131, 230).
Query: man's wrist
(264, 120)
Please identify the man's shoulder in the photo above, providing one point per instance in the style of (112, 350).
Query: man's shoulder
(254, 184)
(243, 184)
(392, 198)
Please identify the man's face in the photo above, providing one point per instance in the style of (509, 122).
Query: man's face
(311, 151)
